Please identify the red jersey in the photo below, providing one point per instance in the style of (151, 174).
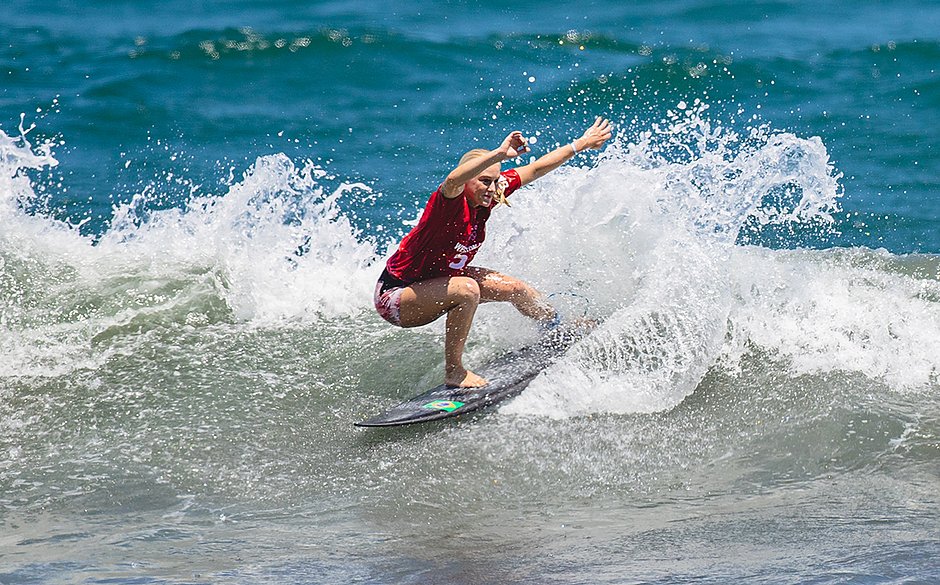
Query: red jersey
(446, 238)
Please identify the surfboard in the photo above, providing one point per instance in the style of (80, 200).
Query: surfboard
(506, 376)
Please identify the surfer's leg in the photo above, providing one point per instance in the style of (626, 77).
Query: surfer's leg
(495, 286)
(423, 302)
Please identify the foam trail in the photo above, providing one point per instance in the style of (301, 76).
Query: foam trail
(656, 256)
(649, 355)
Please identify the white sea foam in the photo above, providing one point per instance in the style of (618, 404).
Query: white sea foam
(280, 245)
(652, 242)
(274, 248)
(646, 237)
(856, 310)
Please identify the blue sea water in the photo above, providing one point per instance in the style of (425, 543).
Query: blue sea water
(197, 197)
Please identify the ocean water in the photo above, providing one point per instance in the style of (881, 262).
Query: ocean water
(197, 197)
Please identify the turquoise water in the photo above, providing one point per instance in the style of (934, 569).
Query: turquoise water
(196, 200)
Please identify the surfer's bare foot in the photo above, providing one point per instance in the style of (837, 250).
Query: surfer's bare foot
(464, 379)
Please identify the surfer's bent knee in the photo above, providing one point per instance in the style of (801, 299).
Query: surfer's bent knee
(466, 290)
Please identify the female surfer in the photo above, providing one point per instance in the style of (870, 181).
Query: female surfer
(429, 275)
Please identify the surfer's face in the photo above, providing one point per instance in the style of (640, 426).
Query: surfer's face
(481, 189)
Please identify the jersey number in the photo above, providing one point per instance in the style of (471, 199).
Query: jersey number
(460, 260)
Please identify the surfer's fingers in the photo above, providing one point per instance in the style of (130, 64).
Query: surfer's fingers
(598, 134)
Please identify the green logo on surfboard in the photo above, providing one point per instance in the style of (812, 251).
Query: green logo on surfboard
(445, 405)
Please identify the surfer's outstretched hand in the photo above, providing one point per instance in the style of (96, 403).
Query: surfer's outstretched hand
(595, 136)
(514, 145)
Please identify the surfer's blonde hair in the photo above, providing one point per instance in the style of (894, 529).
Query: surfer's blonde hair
(501, 183)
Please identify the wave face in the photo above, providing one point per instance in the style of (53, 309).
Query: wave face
(650, 238)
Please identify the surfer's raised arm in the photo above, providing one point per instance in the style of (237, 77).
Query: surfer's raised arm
(513, 145)
(594, 137)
